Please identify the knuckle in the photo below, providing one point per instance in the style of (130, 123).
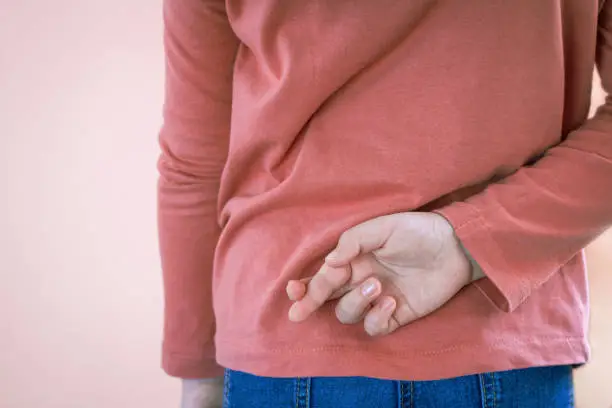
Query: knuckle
(344, 237)
(344, 316)
(320, 289)
(346, 240)
(372, 330)
(374, 326)
(328, 280)
(336, 277)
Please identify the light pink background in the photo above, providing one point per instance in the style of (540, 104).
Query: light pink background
(80, 290)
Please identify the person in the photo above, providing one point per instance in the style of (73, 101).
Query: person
(381, 204)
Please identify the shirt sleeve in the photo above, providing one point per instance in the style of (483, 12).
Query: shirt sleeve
(522, 230)
(200, 49)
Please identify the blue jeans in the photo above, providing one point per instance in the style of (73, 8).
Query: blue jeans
(542, 387)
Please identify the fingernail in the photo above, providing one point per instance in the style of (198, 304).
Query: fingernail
(368, 288)
(332, 256)
(388, 304)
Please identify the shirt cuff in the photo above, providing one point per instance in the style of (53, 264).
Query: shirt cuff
(499, 284)
(177, 365)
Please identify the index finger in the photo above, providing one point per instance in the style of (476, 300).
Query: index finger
(320, 289)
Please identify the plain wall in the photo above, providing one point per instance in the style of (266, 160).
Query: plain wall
(80, 286)
(80, 299)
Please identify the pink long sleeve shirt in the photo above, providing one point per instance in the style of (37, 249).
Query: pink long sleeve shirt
(287, 122)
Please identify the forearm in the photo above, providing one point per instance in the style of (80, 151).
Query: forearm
(522, 230)
(200, 49)
(187, 234)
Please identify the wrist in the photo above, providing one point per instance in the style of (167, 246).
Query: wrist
(476, 271)
(202, 392)
(195, 381)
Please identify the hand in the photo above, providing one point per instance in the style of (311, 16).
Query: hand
(388, 272)
(202, 393)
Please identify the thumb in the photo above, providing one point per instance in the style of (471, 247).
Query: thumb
(363, 238)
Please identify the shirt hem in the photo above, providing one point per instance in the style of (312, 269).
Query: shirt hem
(456, 361)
